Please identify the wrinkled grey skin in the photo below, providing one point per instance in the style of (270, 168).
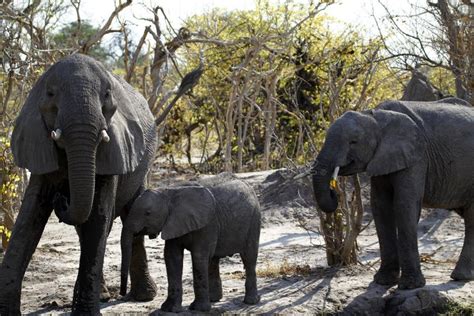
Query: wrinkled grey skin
(212, 221)
(87, 180)
(416, 153)
(419, 88)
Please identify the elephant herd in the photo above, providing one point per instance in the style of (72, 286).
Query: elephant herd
(88, 139)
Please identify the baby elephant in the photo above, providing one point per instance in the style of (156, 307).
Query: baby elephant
(212, 219)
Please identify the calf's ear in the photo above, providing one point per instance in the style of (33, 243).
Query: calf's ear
(190, 208)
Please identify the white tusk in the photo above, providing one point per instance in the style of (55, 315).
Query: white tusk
(56, 135)
(104, 136)
(335, 173)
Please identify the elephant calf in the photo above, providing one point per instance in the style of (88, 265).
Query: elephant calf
(212, 219)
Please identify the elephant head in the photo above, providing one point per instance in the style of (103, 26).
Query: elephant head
(173, 212)
(79, 110)
(376, 141)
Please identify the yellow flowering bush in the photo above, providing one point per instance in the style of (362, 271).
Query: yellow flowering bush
(9, 188)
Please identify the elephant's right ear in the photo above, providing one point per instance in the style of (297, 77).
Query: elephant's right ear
(32, 146)
(400, 146)
(123, 153)
(190, 208)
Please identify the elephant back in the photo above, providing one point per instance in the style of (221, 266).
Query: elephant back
(237, 208)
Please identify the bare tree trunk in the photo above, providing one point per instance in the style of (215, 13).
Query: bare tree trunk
(354, 223)
(229, 128)
(270, 118)
(240, 148)
(456, 50)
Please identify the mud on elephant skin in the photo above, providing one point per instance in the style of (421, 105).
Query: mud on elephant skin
(416, 153)
(88, 139)
(212, 219)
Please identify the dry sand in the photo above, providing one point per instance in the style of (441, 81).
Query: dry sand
(315, 288)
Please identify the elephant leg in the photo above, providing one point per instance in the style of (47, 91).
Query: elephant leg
(215, 283)
(104, 291)
(174, 271)
(408, 196)
(142, 288)
(200, 281)
(249, 258)
(93, 237)
(464, 269)
(32, 218)
(385, 224)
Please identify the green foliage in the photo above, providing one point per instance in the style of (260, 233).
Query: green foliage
(9, 187)
(71, 34)
(320, 75)
(443, 80)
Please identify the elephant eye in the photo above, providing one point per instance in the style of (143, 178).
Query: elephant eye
(50, 93)
(353, 142)
(107, 94)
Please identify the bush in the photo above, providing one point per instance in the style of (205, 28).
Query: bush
(10, 180)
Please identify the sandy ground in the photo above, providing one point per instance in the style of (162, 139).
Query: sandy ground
(313, 288)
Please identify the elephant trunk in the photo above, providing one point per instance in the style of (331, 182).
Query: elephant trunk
(126, 242)
(326, 197)
(81, 152)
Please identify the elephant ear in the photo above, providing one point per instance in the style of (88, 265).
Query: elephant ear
(124, 151)
(190, 208)
(401, 143)
(32, 146)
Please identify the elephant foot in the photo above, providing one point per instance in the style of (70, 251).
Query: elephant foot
(462, 273)
(7, 310)
(215, 296)
(9, 304)
(411, 281)
(143, 291)
(387, 277)
(251, 299)
(82, 313)
(143, 296)
(104, 294)
(126, 298)
(171, 306)
(201, 306)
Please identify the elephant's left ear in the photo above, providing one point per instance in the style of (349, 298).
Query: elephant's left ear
(126, 147)
(190, 208)
(400, 146)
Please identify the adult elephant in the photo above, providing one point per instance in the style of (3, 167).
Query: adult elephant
(416, 153)
(88, 139)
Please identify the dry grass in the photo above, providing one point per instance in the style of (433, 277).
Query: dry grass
(428, 258)
(283, 269)
(456, 309)
(271, 270)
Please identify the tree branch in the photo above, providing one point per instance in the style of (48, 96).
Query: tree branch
(131, 68)
(105, 28)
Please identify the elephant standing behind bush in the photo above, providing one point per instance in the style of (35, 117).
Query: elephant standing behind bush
(88, 139)
(416, 153)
